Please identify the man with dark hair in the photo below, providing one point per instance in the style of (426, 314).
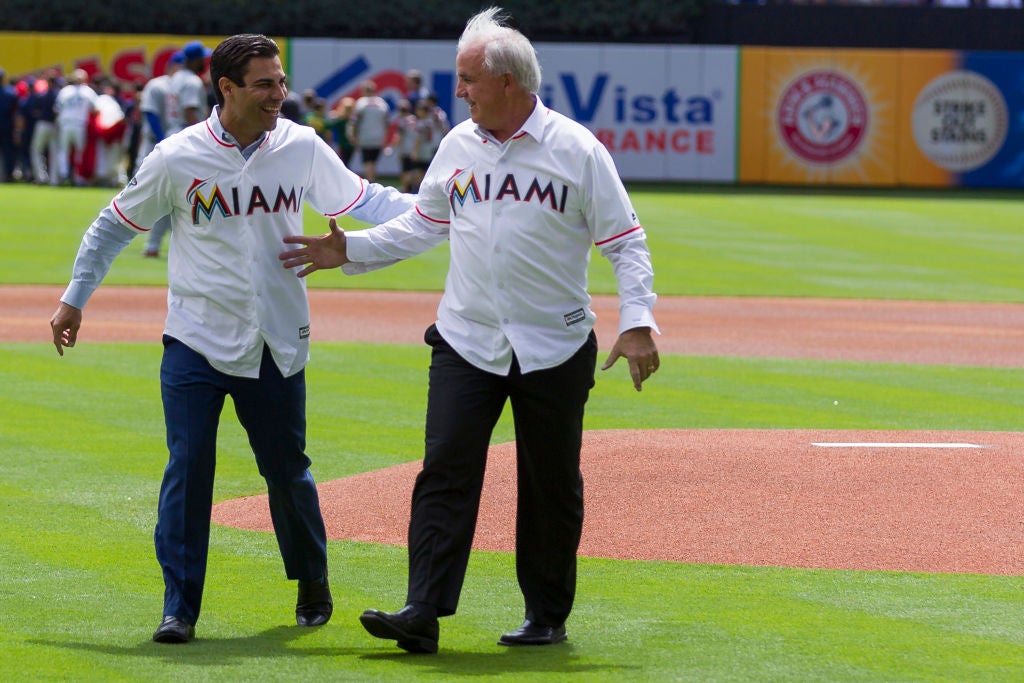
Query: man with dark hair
(237, 324)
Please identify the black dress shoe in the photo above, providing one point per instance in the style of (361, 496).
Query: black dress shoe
(414, 631)
(174, 630)
(531, 633)
(314, 605)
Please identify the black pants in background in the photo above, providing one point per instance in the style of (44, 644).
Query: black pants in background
(463, 406)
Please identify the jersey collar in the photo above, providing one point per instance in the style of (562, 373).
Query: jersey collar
(533, 126)
(226, 139)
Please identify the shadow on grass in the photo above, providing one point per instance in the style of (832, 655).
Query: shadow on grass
(276, 642)
(560, 659)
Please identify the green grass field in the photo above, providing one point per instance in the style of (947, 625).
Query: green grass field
(81, 447)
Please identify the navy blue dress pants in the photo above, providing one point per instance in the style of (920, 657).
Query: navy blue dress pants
(463, 406)
(272, 410)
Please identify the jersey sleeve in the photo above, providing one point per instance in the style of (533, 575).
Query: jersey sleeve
(606, 205)
(333, 189)
(617, 233)
(147, 196)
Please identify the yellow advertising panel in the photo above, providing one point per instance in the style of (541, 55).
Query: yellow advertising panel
(819, 116)
(129, 58)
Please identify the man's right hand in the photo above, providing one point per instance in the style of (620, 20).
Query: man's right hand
(317, 253)
(65, 323)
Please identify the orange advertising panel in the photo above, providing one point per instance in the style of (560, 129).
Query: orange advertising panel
(920, 72)
(826, 117)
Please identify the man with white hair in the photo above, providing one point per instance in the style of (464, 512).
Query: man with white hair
(76, 102)
(522, 194)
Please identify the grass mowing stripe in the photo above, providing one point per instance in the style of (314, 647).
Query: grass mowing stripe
(704, 241)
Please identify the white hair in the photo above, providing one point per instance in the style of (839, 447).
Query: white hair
(506, 50)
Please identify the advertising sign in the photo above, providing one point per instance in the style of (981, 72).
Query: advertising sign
(663, 112)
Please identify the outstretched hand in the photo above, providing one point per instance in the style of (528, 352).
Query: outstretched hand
(638, 348)
(317, 252)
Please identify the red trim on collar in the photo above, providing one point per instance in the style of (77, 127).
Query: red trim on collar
(214, 136)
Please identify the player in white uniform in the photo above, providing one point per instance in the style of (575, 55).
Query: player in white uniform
(76, 102)
(237, 323)
(185, 99)
(371, 118)
(522, 194)
(188, 94)
(156, 104)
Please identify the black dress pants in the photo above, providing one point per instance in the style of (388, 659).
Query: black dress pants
(463, 406)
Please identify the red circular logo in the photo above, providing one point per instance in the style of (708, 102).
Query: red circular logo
(823, 117)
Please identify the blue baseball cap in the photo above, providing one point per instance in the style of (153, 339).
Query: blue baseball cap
(178, 57)
(195, 50)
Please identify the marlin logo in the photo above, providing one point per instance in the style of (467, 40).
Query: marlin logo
(458, 192)
(205, 205)
(234, 204)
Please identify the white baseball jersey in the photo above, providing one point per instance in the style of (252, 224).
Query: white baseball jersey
(74, 105)
(521, 217)
(186, 91)
(227, 290)
(154, 99)
(370, 117)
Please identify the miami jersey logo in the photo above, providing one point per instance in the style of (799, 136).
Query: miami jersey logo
(463, 185)
(206, 200)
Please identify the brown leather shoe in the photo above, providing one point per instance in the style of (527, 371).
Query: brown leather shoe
(413, 631)
(174, 630)
(531, 633)
(314, 605)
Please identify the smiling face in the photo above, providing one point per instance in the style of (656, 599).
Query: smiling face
(486, 94)
(253, 108)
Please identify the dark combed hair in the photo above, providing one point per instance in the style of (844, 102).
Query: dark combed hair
(231, 58)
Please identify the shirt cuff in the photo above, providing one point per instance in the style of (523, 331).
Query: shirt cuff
(77, 294)
(631, 317)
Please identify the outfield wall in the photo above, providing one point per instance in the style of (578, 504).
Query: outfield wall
(774, 115)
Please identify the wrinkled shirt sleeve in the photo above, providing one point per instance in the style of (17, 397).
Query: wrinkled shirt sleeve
(383, 245)
(103, 241)
(381, 203)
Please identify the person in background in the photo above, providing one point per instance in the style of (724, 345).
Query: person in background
(427, 139)
(291, 108)
(370, 119)
(316, 118)
(415, 90)
(237, 324)
(187, 89)
(339, 123)
(107, 135)
(522, 194)
(406, 137)
(43, 153)
(24, 126)
(156, 104)
(130, 101)
(8, 122)
(75, 105)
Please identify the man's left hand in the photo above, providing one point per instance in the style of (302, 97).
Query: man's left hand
(638, 348)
